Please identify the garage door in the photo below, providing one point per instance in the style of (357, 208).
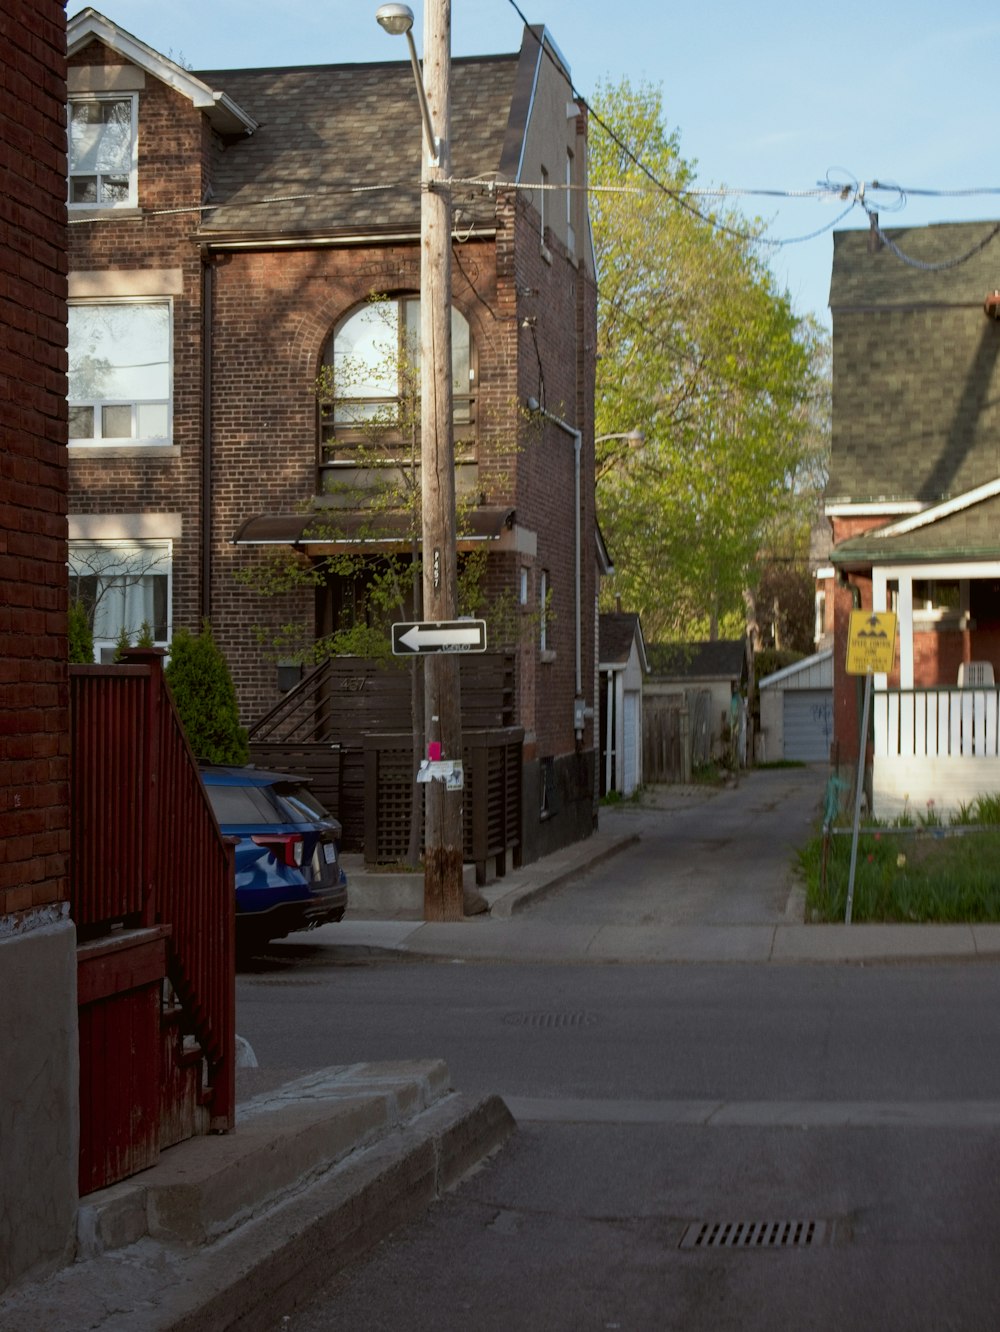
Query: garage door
(808, 724)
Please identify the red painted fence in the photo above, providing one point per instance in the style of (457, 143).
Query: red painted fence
(150, 878)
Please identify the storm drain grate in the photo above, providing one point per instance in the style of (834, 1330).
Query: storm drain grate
(754, 1235)
(551, 1019)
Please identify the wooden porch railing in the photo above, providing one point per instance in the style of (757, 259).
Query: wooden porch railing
(147, 861)
(937, 723)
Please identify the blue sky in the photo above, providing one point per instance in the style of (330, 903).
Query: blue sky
(774, 95)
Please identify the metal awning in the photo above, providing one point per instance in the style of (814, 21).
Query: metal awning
(333, 529)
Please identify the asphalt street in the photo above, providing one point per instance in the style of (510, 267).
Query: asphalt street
(701, 1146)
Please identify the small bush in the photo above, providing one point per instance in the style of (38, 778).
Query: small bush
(203, 691)
(81, 638)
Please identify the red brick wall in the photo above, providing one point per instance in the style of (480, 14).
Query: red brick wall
(170, 173)
(273, 313)
(34, 817)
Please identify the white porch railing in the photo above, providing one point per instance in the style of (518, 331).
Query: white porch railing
(937, 723)
(936, 750)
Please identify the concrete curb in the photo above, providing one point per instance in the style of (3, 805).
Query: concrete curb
(256, 1271)
(554, 876)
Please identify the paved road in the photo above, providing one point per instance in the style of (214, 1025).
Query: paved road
(710, 856)
(653, 1098)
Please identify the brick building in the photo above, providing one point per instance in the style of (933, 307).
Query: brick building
(228, 231)
(37, 939)
(913, 498)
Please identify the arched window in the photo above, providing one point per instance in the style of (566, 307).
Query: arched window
(370, 382)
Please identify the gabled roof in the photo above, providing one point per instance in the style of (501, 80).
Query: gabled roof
(720, 659)
(338, 148)
(864, 277)
(964, 528)
(814, 671)
(916, 367)
(619, 633)
(222, 111)
(333, 151)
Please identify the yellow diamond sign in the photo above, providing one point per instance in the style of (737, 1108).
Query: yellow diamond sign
(871, 642)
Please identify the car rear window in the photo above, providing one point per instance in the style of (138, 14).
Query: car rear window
(304, 806)
(244, 804)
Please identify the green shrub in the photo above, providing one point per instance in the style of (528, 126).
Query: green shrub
(203, 691)
(81, 638)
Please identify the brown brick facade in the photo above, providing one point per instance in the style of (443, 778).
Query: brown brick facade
(250, 326)
(34, 812)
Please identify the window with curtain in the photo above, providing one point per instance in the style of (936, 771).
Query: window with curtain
(124, 585)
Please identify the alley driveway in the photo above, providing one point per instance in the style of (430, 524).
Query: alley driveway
(705, 856)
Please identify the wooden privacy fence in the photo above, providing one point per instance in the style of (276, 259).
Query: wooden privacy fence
(322, 728)
(152, 894)
(491, 802)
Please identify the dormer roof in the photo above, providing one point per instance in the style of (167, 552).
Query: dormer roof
(223, 112)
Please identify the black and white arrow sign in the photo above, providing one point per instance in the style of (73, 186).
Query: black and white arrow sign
(439, 636)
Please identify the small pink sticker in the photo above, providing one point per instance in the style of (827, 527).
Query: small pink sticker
(434, 750)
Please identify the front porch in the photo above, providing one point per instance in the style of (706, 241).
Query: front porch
(935, 749)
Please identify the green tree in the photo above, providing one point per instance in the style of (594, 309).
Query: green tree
(203, 691)
(81, 638)
(701, 351)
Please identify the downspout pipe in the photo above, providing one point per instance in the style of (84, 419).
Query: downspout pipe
(207, 295)
(535, 407)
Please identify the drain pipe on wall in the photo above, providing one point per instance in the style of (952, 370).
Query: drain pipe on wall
(207, 291)
(580, 710)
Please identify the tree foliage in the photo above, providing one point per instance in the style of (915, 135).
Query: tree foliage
(81, 637)
(701, 351)
(203, 691)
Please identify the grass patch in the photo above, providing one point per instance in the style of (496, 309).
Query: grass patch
(923, 876)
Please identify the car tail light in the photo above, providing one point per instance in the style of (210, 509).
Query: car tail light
(285, 847)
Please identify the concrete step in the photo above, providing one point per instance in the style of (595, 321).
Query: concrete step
(229, 1231)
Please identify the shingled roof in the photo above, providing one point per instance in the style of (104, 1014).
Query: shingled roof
(619, 632)
(718, 659)
(916, 366)
(326, 130)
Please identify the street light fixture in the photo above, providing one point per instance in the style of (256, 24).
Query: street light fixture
(397, 21)
(443, 822)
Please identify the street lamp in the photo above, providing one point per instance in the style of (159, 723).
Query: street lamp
(397, 21)
(443, 829)
(635, 438)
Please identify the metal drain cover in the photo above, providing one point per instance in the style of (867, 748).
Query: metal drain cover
(754, 1235)
(551, 1019)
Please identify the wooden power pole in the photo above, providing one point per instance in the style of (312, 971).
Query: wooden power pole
(443, 839)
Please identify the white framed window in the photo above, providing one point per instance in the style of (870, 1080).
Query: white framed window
(124, 586)
(523, 584)
(371, 382)
(103, 151)
(120, 372)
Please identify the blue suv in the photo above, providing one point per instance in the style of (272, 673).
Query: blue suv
(288, 874)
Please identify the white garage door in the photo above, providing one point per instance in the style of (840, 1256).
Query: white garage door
(808, 724)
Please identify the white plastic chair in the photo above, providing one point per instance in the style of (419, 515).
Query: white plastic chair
(974, 674)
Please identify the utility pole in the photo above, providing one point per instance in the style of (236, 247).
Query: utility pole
(443, 827)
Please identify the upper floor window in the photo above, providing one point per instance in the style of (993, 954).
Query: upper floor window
(370, 381)
(120, 372)
(102, 152)
(125, 589)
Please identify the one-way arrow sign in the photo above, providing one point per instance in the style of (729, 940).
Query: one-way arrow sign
(439, 636)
